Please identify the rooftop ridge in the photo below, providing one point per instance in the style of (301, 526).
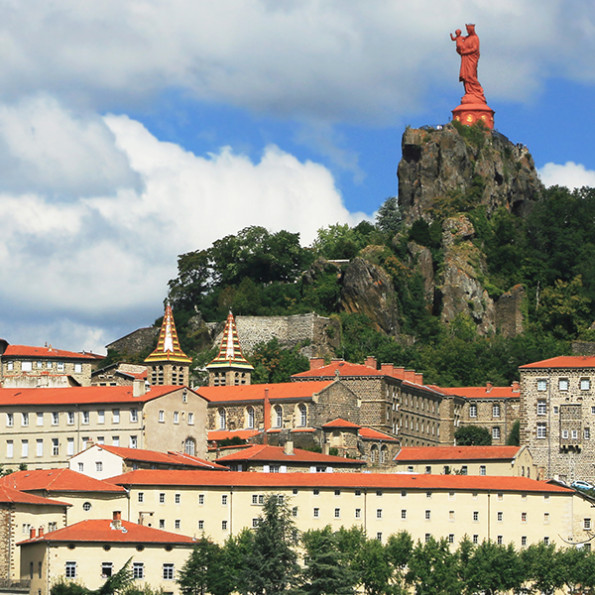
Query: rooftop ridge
(168, 345)
(230, 350)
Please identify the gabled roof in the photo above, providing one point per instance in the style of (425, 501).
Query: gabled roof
(482, 392)
(564, 361)
(168, 346)
(56, 480)
(256, 392)
(163, 458)
(370, 434)
(340, 368)
(457, 453)
(397, 481)
(340, 423)
(230, 351)
(44, 352)
(265, 452)
(217, 435)
(105, 531)
(80, 395)
(12, 496)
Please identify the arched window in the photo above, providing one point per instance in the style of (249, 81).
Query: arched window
(190, 446)
(373, 453)
(277, 416)
(383, 454)
(302, 415)
(222, 423)
(250, 417)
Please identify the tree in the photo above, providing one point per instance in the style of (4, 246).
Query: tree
(272, 363)
(493, 569)
(542, 568)
(389, 218)
(473, 436)
(118, 582)
(200, 573)
(374, 568)
(398, 552)
(433, 569)
(514, 438)
(271, 565)
(324, 572)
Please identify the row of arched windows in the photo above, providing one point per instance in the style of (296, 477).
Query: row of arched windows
(301, 412)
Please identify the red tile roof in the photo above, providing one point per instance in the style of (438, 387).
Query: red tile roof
(12, 496)
(265, 452)
(459, 453)
(340, 368)
(217, 435)
(397, 481)
(103, 531)
(56, 480)
(255, 392)
(482, 392)
(370, 434)
(564, 361)
(152, 456)
(79, 395)
(340, 423)
(44, 352)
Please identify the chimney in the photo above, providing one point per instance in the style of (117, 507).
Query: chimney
(419, 378)
(40, 532)
(409, 375)
(326, 448)
(267, 415)
(489, 387)
(388, 369)
(32, 533)
(371, 362)
(117, 520)
(316, 363)
(288, 448)
(399, 372)
(516, 386)
(138, 387)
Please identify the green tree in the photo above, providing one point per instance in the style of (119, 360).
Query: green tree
(272, 363)
(542, 569)
(514, 437)
(374, 568)
(389, 218)
(271, 565)
(398, 552)
(202, 571)
(433, 569)
(325, 572)
(338, 241)
(473, 436)
(493, 569)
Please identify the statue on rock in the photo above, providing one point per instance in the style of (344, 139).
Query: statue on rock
(473, 106)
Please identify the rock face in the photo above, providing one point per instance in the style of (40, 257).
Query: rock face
(442, 165)
(368, 289)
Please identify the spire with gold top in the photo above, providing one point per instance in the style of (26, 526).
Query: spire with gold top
(168, 363)
(229, 367)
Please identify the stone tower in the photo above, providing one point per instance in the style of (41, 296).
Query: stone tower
(230, 367)
(168, 364)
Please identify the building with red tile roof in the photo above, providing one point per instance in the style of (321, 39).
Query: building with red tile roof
(284, 459)
(119, 374)
(90, 551)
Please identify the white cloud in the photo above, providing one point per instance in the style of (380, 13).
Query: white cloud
(572, 175)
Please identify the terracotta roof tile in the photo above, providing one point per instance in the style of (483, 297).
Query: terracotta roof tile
(265, 452)
(56, 480)
(103, 531)
(370, 434)
(340, 368)
(459, 453)
(482, 392)
(398, 481)
(10, 495)
(255, 392)
(44, 352)
(340, 423)
(564, 361)
(217, 435)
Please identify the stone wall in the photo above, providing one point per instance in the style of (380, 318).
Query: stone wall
(136, 341)
(6, 538)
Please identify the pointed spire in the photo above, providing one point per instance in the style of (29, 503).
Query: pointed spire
(168, 346)
(230, 352)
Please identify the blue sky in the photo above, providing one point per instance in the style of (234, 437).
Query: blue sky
(134, 131)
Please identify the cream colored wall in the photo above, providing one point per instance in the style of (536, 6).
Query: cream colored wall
(111, 464)
(239, 512)
(473, 467)
(89, 557)
(168, 435)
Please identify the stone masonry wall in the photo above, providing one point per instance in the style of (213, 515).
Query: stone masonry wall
(6, 539)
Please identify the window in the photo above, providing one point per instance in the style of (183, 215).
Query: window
(358, 513)
(133, 442)
(541, 430)
(427, 537)
(201, 525)
(116, 440)
(162, 498)
(138, 570)
(116, 416)
(473, 410)
(541, 407)
(500, 517)
(316, 491)
(9, 449)
(250, 417)
(26, 366)
(451, 515)
(585, 384)
(475, 516)
(176, 417)
(70, 570)
(546, 518)
(303, 415)
(428, 515)
(224, 525)
(55, 418)
(277, 416)
(40, 419)
(524, 540)
(294, 511)
(24, 419)
(134, 415)
(162, 523)
(587, 524)
(337, 513)
(141, 496)
(224, 500)
(546, 540)
(190, 418)
(60, 366)
(564, 433)
(523, 517)
(542, 384)
(222, 419)
(177, 524)
(201, 499)
(428, 469)
(9, 420)
(39, 447)
(177, 498)
(379, 536)
(168, 571)
(24, 448)
(70, 418)
(70, 446)
(78, 368)
(106, 569)
(403, 513)
(98, 466)
(496, 433)
(161, 417)
(464, 470)
(379, 513)
(587, 433)
(81, 467)
(475, 539)
(496, 410)
(482, 469)
(563, 384)
(337, 492)
(574, 434)
(255, 522)
(85, 415)
(316, 513)
(499, 540)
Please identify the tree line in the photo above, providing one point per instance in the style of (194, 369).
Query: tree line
(272, 558)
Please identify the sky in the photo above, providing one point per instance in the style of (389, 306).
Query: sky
(133, 131)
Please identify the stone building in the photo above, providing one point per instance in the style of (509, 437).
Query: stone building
(558, 416)
(120, 374)
(168, 364)
(229, 367)
(32, 367)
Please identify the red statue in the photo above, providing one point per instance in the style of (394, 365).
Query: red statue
(473, 104)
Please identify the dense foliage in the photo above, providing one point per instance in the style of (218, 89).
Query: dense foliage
(549, 251)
